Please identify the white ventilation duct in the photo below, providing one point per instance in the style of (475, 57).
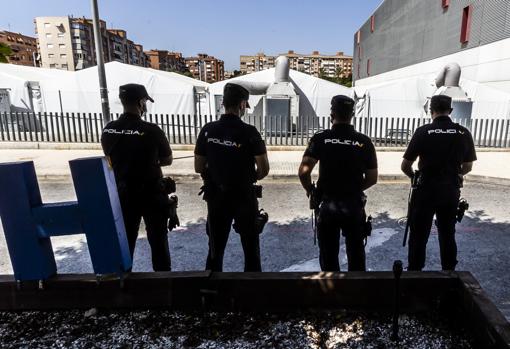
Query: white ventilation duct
(447, 83)
(282, 69)
(449, 76)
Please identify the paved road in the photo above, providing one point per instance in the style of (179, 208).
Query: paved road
(483, 237)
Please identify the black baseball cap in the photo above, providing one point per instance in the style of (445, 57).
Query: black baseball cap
(133, 92)
(236, 93)
(441, 103)
(342, 104)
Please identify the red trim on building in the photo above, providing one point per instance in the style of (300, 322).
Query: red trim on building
(467, 14)
(372, 23)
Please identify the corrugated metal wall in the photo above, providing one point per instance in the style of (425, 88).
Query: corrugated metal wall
(413, 31)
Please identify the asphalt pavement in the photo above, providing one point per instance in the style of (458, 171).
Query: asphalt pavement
(287, 242)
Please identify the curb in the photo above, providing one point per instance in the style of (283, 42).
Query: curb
(186, 147)
(384, 178)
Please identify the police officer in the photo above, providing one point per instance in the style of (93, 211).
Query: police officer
(347, 167)
(231, 156)
(446, 153)
(137, 150)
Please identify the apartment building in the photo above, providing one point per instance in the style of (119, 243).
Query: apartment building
(206, 68)
(166, 60)
(24, 48)
(251, 64)
(68, 43)
(338, 65)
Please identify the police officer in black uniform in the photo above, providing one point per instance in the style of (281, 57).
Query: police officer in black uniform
(137, 150)
(231, 156)
(446, 153)
(347, 167)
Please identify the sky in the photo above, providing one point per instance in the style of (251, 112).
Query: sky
(225, 29)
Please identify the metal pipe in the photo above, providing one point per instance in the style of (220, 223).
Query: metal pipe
(103, 88)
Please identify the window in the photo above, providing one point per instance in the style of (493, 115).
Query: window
(50, 45)
(48, 35)
(372, 23)
(62, 46)
(53, 65)
(47, 25)
(63, 56)
(445, 3)
(64, 66)
(60, 35)
(51, 55)
(368, 67)
(467, 13)
(358, 37)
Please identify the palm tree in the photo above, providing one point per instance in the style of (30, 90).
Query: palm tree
(5, 51)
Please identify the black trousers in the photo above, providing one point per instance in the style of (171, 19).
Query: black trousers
(222, 210)
(441, 200)
(150, 207)
(347, 215)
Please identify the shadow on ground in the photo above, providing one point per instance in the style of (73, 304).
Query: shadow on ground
(482, 243)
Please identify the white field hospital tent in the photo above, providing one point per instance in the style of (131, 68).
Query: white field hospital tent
(314, 94)
(398, 98)
(172, 94)
(33, 89)
(78, 92)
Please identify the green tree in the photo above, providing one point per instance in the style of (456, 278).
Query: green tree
(237, 73)
(185, 73)
(5, 51)
(347, 81)
(338, 73)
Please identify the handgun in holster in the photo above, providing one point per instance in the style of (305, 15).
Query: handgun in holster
(461, 209)
(262, 217)
(173, 219)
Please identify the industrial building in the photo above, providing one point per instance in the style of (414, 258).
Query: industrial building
(416, 38)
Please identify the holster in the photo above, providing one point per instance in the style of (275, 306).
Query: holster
(260, 221)
(173, 219)
(315, 198)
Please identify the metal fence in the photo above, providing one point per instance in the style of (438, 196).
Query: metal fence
(184, 129)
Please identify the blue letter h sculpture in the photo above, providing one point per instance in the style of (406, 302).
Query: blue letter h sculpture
(28, 223)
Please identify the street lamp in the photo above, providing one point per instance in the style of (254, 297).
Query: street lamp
(103, 88)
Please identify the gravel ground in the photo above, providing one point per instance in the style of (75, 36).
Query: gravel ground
(165, 329)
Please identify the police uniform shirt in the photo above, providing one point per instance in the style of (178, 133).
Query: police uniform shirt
(135, 148)
(442, 147)
(230, 146)
(344, 156)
